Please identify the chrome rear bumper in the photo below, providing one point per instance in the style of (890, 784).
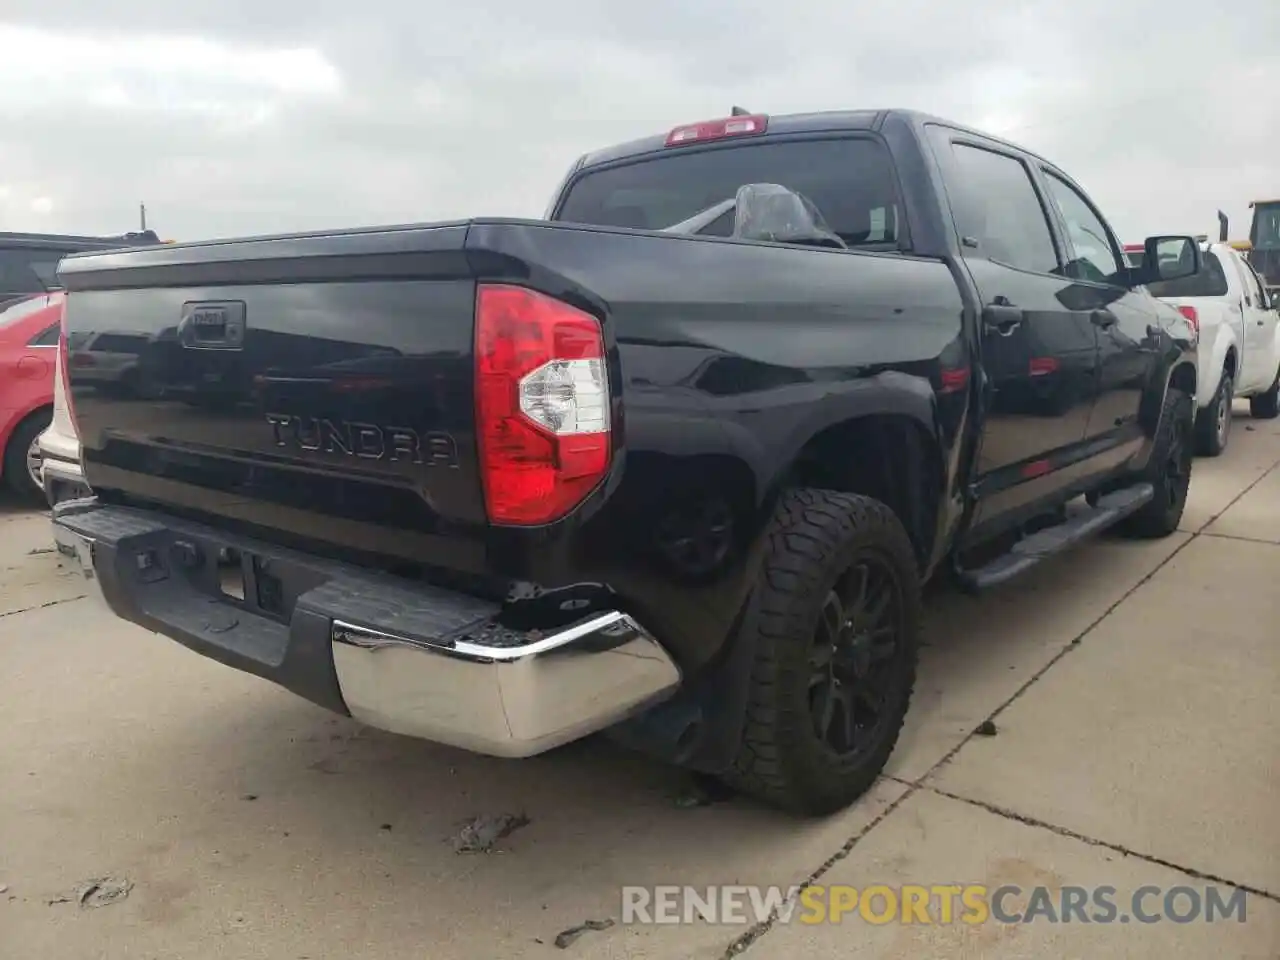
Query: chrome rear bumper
(510, 701)
(403, 657)
(62, 479)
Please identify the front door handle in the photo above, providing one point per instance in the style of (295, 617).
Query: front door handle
(1103, 318)
(1001, 318)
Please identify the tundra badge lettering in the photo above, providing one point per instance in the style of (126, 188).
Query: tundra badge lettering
(367, 441)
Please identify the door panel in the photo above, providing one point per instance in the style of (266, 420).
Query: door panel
(1258, 366)
(1127, 322)
(1041, 371)
(1039, 357)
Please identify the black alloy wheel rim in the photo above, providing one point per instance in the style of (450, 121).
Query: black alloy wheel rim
(853, 660)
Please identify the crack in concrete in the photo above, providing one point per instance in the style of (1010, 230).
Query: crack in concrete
(1236, 536)
(742, 943)
(1079, 638)
(745, 941)
(1105, 844)
(41, 606)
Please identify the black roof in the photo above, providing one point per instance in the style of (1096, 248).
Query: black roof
(829, 121)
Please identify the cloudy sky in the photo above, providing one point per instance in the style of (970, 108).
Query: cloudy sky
(248, 116)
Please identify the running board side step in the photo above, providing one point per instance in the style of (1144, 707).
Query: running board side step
(1030, 550)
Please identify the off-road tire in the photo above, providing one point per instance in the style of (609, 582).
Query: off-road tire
(1266, 406)
(815, 537)
(1162, 514)
(1213, 423)
(15, 456)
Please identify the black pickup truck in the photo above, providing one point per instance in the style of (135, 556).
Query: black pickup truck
(672, 463)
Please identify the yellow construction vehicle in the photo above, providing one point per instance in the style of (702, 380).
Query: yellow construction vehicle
(1263, 246)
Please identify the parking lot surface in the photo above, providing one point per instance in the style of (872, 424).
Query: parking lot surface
(1110, 720)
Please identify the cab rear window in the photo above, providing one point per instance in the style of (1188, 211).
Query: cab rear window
(850, 181)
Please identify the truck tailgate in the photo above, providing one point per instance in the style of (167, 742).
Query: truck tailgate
(320, 390)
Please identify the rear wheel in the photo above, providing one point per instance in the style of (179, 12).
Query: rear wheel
(836, 639)
(22, 457)
(1266, 406)
(1213, 423)
(1168, 471)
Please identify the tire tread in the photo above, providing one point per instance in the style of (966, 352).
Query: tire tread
(810, 531)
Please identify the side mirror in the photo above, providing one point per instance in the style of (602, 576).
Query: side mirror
(1170, 258)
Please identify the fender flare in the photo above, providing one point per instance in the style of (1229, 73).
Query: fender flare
(890, 393)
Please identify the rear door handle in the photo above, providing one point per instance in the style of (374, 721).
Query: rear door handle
(1103, 318)
(1001, 318)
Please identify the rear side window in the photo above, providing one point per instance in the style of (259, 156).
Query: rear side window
(1003, 211)
(28, 271)
(849, 180)
(1211, 281)
(48, 337)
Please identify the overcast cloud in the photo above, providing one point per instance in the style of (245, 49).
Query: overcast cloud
(232, 117)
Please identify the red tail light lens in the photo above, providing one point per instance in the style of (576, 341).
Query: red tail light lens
(542, 404)
(1192, 316)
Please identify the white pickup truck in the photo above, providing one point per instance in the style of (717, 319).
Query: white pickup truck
(1239, 351)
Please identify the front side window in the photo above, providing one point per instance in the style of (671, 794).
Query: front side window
(1211, 281)
(28, 271)
(1093, 255)
(1002, 210)
(1254, 282)
(849, 180)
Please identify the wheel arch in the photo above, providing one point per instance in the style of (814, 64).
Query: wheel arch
(1231, 362)
(905, 472)
(1184, 377)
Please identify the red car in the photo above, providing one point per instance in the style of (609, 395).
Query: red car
(29, 332)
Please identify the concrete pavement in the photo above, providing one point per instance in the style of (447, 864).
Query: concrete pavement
(1132, 688)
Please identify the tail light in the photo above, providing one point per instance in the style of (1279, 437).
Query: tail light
(63, 351)
(542, 404)
(1193, 317)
